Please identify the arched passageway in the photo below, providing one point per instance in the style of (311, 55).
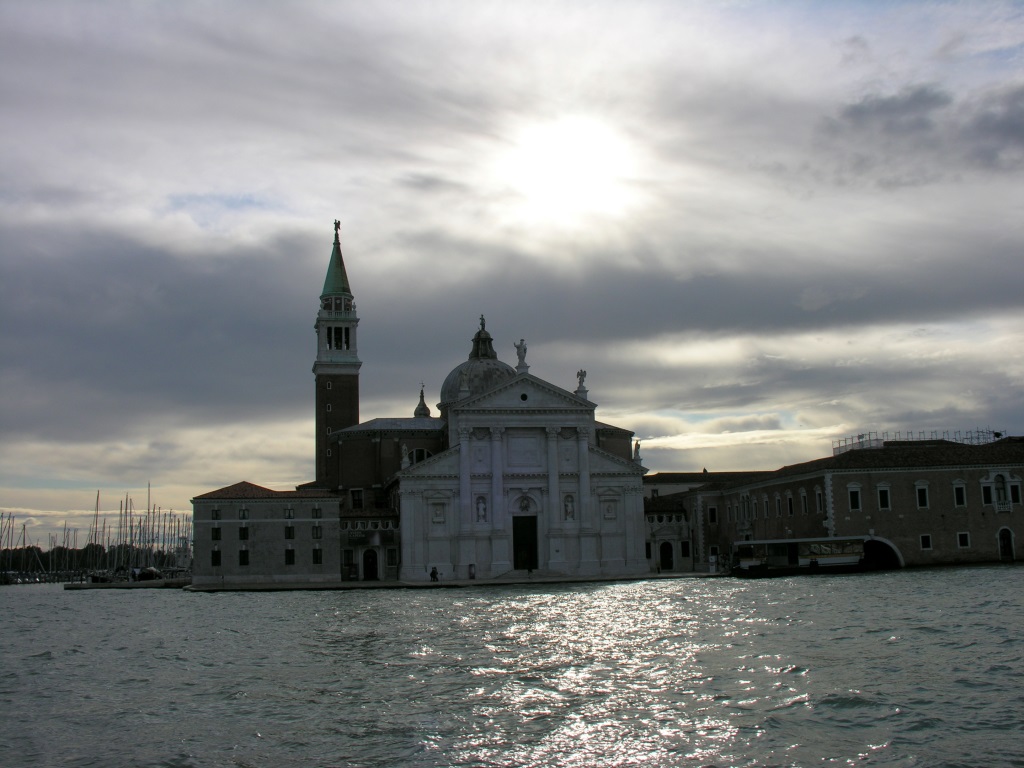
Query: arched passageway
(1006, 545)
(880, 556)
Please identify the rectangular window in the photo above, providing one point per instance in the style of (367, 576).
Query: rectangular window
(243, 557)
(803, 504)
(986, 494)
(243, 533)
(317, 513)
(778, 507)
(883, 498)
(765, 508)
(289, 557)
(789, 505)
(215, 514)
(243, 514)
(215, 534)
(685, 548)
(348, 557)
(357, 498)
(289, 531)
(392, 557)
(963, 540)
(318, 557)
(854, 500)
(1015, 494)
(926, 541)
(289, 514)
(713, 515)
(318, 532)
(960, 496)
(922, 498)
(215, 558)
(819, 506)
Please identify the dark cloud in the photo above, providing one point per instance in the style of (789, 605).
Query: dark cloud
(923, 135)
(113, 333)
(909, 114)
(994, 131)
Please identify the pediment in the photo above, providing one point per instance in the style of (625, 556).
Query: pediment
(602, 461)
(524, 393)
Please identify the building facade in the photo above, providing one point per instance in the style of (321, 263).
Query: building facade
(915, 502)
(514, 476)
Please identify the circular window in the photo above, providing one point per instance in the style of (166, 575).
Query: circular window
(523, 396)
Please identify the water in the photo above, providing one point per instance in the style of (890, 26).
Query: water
(920, 668)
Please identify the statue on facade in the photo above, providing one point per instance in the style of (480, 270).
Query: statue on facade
(481, 509)
(636, 451)
(581, 375)
(570, 508)
(483, 323)
(521, 350)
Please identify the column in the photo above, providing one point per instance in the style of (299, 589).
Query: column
(589, 563)
(498, 516)
(465, 490)
(556, 514)
(500, 545)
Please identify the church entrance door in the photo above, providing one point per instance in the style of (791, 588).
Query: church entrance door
(370, 565)
(665, 550)
(524, 542)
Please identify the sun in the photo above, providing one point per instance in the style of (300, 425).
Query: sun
(569, 169)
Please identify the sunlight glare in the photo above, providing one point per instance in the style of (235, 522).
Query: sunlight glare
(569, 169)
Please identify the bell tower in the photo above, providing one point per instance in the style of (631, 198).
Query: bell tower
(337, 365)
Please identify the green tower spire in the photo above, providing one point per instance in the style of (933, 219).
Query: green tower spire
(336, 283)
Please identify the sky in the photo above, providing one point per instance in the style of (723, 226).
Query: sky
(760, 227)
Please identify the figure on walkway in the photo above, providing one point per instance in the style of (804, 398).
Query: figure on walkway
(433, 574)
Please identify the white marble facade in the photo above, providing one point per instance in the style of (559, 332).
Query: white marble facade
(522, 489)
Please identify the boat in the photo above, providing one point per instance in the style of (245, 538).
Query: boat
(791, 557)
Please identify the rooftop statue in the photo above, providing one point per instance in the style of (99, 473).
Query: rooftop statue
(521, 351)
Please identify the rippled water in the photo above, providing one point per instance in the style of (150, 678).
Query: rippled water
(920, 668)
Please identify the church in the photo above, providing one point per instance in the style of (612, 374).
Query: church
(512, 477)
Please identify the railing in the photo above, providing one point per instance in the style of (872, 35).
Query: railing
(337, 314)
(1003, 506)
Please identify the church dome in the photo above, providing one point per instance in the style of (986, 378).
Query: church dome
(482, 371)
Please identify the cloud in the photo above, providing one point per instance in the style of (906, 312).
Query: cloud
(923, 135)
(821, 237)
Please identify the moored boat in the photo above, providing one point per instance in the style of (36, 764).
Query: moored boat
(789, 557)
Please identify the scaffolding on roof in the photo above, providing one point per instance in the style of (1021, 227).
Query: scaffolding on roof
(872, 439)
